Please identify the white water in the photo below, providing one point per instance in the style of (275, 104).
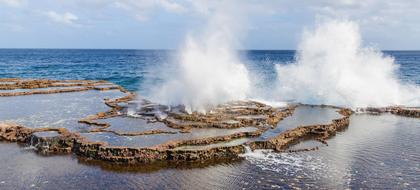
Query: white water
(209, 71)
(289, 164)
(332, 67)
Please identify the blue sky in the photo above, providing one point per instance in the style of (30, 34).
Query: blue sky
(164, 24)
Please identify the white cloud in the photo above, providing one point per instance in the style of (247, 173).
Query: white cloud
(12, 3)
(391, 24)
(388, 24)
(142, 8)
(364, 11)
(170, 5)
(65, 18)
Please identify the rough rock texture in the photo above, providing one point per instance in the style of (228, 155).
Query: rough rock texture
(319, 132)
(39, 86)
(227, 116)
(14, 133)
(408, 112)
(113, 112)
(67, 142)
(397, 110)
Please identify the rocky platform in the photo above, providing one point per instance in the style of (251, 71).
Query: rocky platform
(135, 130)
(396, 110)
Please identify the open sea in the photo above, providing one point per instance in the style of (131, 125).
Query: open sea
(132, 69)
(375, 152)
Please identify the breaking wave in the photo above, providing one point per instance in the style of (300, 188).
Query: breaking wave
(332, 67)
(208, 71)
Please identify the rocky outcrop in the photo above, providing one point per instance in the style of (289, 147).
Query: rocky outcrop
(408, 112)
(14, 133)
(66, 142)
(40, 86)
(53, 91)
(397, 110)
(319, 132)
(227, 116)
(113, 112)
(230, 115)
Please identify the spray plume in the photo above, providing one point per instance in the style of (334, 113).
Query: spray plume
(332, 67)
(208, 71)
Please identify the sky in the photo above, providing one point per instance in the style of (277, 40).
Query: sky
(164, 24)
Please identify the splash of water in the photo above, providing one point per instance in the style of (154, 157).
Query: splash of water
(209, 71)
(332, 67)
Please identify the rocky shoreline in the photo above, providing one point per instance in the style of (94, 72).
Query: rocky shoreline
(233, 115)
(396, 110)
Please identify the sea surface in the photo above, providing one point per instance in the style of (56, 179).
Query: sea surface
(136, 70)
(375, 152)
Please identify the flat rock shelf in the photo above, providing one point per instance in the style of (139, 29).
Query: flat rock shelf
(99, 120)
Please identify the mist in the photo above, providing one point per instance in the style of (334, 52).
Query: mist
(332, 67)
(208, 69)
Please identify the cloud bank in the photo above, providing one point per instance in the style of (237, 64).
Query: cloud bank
(275, 24)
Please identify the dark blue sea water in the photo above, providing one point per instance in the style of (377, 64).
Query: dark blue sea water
(134, 68)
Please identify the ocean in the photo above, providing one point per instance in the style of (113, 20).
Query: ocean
(136, 69)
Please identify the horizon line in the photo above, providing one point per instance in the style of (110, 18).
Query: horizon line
(151, 49)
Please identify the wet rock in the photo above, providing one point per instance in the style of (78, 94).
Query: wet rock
(13, 132)
(303, 150)
(230, 115)
(48, 144)
(397, 110)
(408, 112)
(289, 137)
(40, 86)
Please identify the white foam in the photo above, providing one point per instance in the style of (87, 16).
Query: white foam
(209, 71)
(288, 163)
(332, 67)
(276, 104)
